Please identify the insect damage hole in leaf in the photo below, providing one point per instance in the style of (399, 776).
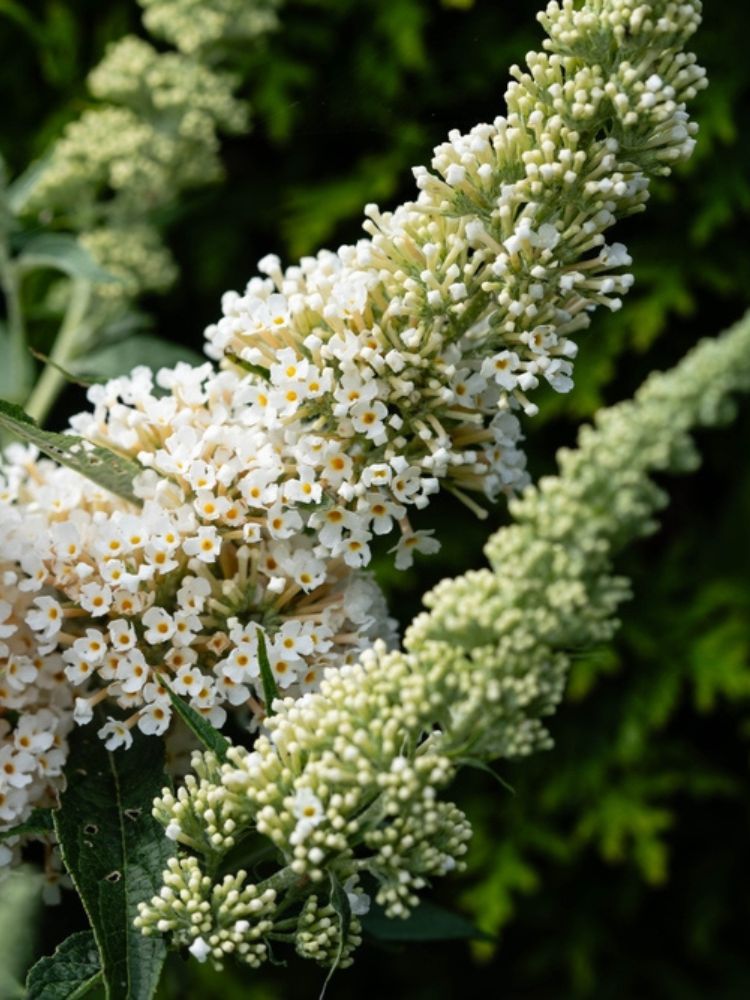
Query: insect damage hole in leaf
(121, 865)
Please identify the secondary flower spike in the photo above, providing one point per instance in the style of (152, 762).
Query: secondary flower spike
(346, 781)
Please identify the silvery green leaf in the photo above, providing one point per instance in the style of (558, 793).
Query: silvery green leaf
(61, 252)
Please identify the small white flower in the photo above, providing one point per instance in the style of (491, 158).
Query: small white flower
(83, 713)
(115, 735)
(153, 720)
(159, 624)
(354, 549)
(133, 671)
(200, 949)
(407, 545)
(95, 598)
(204, 545)
(283, 523)
(121, 634)
(368, 419)
(307, 807)
(359, 901)
(46, 619)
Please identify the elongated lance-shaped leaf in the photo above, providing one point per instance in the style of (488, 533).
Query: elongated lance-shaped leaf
(106, 468)
(71, 972)
(115, 851)
(270, 691)
(210, 738)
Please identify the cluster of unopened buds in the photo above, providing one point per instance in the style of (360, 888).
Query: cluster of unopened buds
(350, 389)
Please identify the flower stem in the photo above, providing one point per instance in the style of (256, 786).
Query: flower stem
(18, 374)
(48, 387)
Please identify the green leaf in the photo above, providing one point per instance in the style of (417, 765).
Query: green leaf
(247, 366)
(20, 921)
(20, 189)
(480, 765)
(270, 691)
(39, 823)
(115, 852)
(429, 922)
(67, 375)
(340, 903)
(122, 358)
(62, 252)
(106, 468)
(210, 738)
(17, 12)
(17, 368)
(71, 972)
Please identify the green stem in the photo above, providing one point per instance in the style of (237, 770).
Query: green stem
(19, 362)
(48, 387)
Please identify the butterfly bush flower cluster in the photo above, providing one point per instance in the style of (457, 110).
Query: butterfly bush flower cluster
(415, 349)
(350, 388)
(345, 782)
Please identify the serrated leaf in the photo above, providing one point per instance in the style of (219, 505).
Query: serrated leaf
(71, 972)
(106, 468)
(62, 252)
(115, 852)
(270, 691)
(210, 738)
(39, 823)
(429, 922)
(342, 908)
(122, 358)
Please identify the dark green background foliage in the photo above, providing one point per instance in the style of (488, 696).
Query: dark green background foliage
(620, 866)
